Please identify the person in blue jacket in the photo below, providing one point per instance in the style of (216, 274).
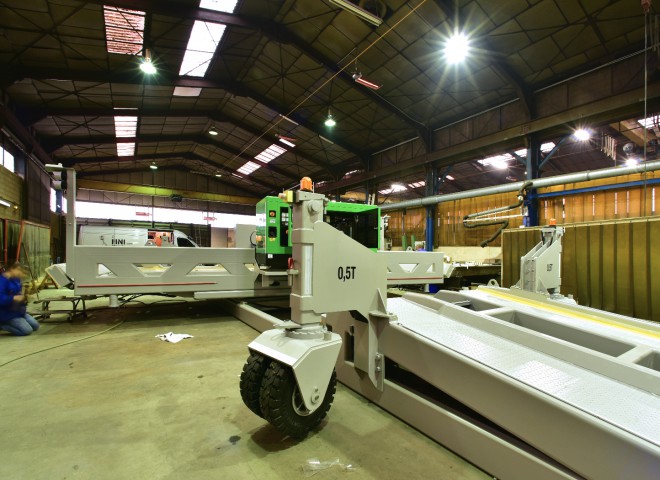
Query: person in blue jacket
(13, 317)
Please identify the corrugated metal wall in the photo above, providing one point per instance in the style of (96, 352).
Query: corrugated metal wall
(607, 265)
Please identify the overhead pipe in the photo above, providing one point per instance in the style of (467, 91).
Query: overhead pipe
(536, 183)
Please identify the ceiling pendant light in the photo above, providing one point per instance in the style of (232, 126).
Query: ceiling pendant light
(330, 121)
(147, 65)
(582, 134)
(213, 131)
(457, 48)
(153, 166)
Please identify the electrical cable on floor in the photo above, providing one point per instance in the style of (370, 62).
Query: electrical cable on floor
(62, 344)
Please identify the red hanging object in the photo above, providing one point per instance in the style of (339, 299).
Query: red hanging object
(646, 5)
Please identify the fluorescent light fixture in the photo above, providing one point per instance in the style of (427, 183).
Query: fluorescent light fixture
(457, 48)
(287, 141)
(187, 91)
(449, 177)
(351, 173)
(226, 6)
(358, 12)
(248, 168)
(582, 134)
(153, 166)
(213, 131)
(419, 184)
(218, 174)
(124, 30)
(289, 120)
(202, 44)
(5, 203)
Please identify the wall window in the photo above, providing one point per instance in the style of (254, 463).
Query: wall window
(106, 211)
(53, 201)
(6, 159)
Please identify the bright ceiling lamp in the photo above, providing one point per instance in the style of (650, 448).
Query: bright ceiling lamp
(213, 131)
(153, 166)
(358, 11)
(582, 135)
(457, 48)
(147, 64)
(330, 121)
(632, 161)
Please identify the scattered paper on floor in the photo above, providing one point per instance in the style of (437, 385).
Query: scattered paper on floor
(173, 337)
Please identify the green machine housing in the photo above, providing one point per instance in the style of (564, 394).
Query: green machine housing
(273, 247)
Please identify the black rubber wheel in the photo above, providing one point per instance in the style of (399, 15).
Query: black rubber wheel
(251, 378)
(282, 405)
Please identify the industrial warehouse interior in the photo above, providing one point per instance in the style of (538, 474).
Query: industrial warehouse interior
(361, 239)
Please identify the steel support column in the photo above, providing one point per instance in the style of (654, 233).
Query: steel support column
(431, 189)
(533, 161)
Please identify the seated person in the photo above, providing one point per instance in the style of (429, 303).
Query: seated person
(13, 317)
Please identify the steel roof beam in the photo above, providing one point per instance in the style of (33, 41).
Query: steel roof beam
(52, 144)
(69, 162)
(274, 32)
(37, 114)
(134, 77)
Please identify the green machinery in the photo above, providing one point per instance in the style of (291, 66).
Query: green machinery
(273, 243)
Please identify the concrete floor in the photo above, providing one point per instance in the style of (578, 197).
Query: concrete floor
(125, 405)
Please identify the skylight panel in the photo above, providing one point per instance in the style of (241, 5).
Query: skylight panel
(270, 153)
(545, 148)
(226, 6)
(498, 161)
(204, 40)
(124, 30)
(421, 183)
(396, 188)
(125, 127)
(248, 168)
(649, 122)
(125, 149)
